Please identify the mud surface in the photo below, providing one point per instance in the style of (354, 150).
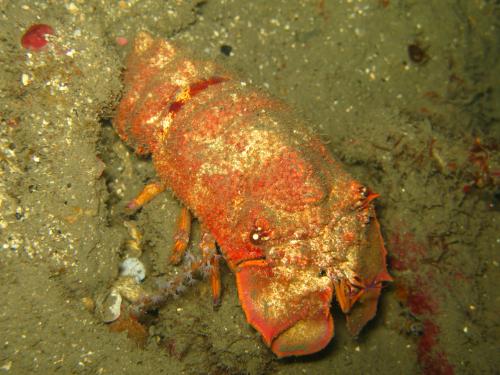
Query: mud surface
(405, 93)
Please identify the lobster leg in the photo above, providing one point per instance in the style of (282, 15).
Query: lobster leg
(181, 237)
(342, 295)
(210, 257)
(148, 193)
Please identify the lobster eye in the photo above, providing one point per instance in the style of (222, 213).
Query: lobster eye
(322, 272)
(258, 235)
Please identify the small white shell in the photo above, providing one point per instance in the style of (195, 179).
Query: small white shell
(110, 308)
(133, 267)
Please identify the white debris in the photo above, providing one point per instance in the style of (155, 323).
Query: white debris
(133, 267)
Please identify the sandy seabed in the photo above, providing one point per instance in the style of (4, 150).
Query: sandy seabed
(406, 95)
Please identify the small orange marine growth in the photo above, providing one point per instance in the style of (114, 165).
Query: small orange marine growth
(292, 225)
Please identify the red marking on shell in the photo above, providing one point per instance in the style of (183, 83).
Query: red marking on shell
(193, 90)
(34, 38)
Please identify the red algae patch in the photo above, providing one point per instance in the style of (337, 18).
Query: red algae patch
(432, 359)
(416, 289)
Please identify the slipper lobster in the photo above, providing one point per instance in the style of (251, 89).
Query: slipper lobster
(292, 225)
